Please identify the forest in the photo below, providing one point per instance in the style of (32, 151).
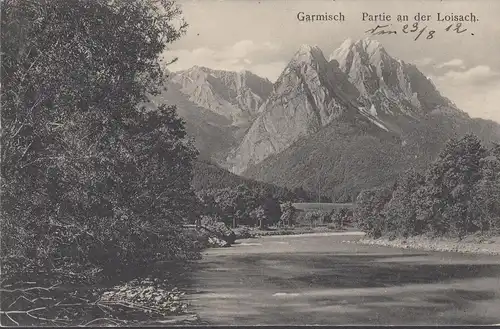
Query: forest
(457, 195)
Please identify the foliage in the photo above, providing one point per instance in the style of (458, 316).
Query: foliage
(368, 212)
(215, 225)
(339, 218)
(88, 177)
(242, 204)
(401, 211)
(453, 176)
(312, 217)
(459, 194)
(485, 205)
(287, 212)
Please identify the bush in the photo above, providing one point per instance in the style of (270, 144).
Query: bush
(401, 210)
(199, 238)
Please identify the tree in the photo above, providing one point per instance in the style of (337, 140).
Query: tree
(368, 214)
(241, 204)
(401, 210)
(451, 178)
(458, 195)
(270, 204)
(486, 193)
(89, 177)
(313, 216)
(259, 217)
(339, 217)
(288, 210)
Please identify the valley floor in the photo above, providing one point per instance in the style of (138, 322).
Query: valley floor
(469, 245)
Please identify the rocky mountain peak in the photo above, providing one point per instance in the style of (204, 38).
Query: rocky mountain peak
(309, 94)
(366, 51)
(388, 84)
(234, 95)
(370, 46)
(308, 54)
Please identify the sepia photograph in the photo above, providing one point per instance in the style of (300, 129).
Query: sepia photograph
(245, 162)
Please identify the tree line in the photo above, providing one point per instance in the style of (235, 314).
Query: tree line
(458, 194)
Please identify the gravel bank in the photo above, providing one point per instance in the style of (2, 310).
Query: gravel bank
(298, 230)
(470, 245)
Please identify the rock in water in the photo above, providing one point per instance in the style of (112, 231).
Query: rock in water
(216, 242)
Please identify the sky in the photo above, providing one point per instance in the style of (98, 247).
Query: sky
(262, 36)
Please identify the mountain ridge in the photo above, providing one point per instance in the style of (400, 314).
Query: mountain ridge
(359, 96)
(391, 95)
(360, 80)
(235, 95)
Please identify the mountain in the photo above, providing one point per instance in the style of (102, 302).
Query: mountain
(397, 91)
(390, 85)
(234, 95)
(340, 125)
(339, 161)
(217, 106)
(375, 117)
(308, 95)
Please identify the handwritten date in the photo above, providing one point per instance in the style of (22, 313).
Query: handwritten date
(415, 29)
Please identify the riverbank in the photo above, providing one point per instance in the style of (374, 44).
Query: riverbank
(299, 230)
(470, 245)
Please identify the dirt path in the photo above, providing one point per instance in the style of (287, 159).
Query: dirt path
(317, 279)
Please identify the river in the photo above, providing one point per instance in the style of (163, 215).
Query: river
(317, 279)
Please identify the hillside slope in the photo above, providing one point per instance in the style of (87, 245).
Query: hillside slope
(210, 176)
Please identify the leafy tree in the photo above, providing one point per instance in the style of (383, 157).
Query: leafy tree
(313, 217)
(89, 178)
(401, 210)
(368, 214)
(270, 204)
(486, 194)
(259, 217)
(288, 210)
(339, 217)
(451, 179)
(241, 204)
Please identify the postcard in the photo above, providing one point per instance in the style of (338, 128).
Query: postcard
(232, 162)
